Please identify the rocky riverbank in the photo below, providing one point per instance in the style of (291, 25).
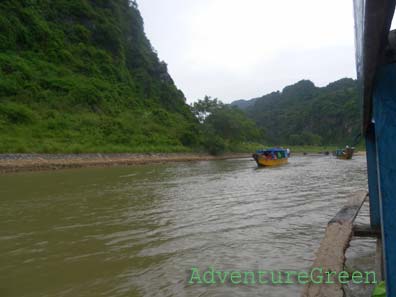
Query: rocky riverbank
(33, 162)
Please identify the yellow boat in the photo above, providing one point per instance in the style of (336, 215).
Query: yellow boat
(271, 157)
(345, 154)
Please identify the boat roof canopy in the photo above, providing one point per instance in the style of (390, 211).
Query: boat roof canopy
(373, 19)
(271, 150)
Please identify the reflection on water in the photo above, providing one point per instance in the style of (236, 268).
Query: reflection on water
(137, 231)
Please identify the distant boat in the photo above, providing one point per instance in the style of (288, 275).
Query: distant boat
(345, 154)
(271, 157)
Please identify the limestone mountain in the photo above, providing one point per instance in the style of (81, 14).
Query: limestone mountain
(305, 114)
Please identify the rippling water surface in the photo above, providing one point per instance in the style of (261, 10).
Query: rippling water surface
(137, 231)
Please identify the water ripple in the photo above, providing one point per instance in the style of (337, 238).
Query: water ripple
(137, 231)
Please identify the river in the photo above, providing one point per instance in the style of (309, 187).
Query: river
(138, 231)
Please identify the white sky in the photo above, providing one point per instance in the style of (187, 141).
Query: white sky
(243, 49)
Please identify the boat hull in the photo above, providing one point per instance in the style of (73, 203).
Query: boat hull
(345, 157)
(346, 154)
(262, 161)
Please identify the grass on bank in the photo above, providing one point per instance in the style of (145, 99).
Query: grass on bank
(311, 149)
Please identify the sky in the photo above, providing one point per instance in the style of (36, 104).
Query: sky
(232, 50)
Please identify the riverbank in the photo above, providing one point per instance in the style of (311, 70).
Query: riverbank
(36, 162)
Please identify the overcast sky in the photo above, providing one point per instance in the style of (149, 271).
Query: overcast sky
(244, 49)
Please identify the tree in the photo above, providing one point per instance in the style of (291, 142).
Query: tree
(204, 107)
(232, 124)
(223, 125)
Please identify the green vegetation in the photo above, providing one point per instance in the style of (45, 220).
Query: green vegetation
(81, 76)
(223, 127)
(303, 114)
(380, 290)
(312, 148)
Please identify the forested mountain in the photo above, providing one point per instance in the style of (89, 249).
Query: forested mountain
(80, 75)
(305, 114)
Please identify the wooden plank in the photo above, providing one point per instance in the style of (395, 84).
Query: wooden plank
(349, 212)
(331, 254)
(385, 130)
(365, 231)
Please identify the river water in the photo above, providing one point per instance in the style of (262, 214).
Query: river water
(138, 231)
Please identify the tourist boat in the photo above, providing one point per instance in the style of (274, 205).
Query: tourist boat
(271, 157)
(345, 154)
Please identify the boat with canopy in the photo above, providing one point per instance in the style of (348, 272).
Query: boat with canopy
(271, 157)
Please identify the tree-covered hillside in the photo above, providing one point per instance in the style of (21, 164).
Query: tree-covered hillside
(80, 75)
(305, 114)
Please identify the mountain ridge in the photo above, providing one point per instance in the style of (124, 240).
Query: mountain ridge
(305, 114)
